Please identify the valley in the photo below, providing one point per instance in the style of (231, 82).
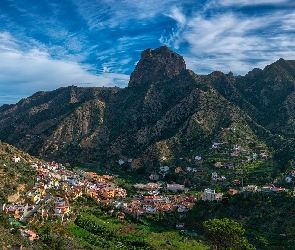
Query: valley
(147, 166)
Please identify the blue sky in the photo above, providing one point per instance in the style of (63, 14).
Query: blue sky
(47, 44)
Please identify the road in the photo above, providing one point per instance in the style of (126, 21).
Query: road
(30, 213)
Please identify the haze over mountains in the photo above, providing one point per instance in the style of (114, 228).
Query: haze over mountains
(166, 111)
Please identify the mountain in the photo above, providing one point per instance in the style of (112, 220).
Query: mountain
(167, 111)
(162, 62)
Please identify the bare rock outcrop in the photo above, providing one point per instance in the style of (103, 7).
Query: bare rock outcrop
(160, 64)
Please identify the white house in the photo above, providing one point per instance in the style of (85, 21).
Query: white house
(16, 159)
(175, 187)
(198, 158)
(151, 209)
(211, 195)
(121, 161)
(164, 168)
(154, 177)
(214, 176)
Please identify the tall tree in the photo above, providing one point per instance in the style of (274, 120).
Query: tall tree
(226, 234)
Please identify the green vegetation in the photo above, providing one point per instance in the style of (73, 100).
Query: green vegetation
(226, 234)
(94, 228)
(237, 125)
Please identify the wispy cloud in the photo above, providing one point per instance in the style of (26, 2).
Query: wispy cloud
(175, 37)
(230, 41)
(97, 43)
(35, 70)
(251, 3)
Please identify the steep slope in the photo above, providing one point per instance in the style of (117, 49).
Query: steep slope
(166, 110)
(14, 176)
(66, 116)
(171, 118)
(272, 92)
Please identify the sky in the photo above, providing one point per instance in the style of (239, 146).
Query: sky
(47, 44)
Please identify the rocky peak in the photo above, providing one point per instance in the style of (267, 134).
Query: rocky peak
(160, 64)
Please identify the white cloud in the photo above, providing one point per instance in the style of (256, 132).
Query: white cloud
(34, 70)
(250, 3)
(289, 22)
(174, 39)
(177, 16)
(121, 14)
(231, 41)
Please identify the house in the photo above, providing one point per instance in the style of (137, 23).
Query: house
(267, 188)
(214, 176)
(12, 210)
(92, 176)
(211, 195)
(181, 209)
(151, 209)
(164, 168)
(31, 235)
(121, 216)
(117, 204)
(154, 177)
(271, 187)
(232, 191)
(16, 159)
(175, 187)
(108, 192)
(235, 153)
(198, 158)
(61, 207)
(178, 170)
(219, 164)
(159, 201)
(250, 188)
(93, 193)
(179, 226)
(120, 192)
(222, 178)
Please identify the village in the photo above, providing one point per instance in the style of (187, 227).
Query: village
(55, 186)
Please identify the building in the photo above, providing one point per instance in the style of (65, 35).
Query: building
(211, 195)
(175, 187)
(154, 177)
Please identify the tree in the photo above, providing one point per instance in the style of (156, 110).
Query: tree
(226, 234)
(243, 171)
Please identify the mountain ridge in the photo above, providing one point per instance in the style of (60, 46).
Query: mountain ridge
(164, 105)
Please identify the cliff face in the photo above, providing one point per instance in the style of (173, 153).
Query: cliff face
(165, 110)
(160, 64)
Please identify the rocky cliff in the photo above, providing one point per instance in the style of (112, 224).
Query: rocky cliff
(157, 65)
(166, 111)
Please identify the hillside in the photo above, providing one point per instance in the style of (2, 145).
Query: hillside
(15, 179)
(167, 111)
